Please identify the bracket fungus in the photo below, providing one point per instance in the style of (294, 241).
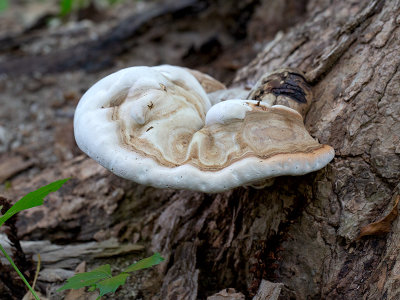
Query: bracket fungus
(157, 126)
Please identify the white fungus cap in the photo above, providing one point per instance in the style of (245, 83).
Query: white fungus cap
(156, 126)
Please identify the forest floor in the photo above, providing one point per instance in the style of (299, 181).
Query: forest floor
(47, 62)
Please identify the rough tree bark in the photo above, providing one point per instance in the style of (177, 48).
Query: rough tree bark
(303, 231)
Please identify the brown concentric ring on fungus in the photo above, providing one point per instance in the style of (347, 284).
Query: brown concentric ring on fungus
(156, 126)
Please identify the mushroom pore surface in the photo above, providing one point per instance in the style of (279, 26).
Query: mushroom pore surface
(156, 126)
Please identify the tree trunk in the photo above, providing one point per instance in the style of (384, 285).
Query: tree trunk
(303, 232)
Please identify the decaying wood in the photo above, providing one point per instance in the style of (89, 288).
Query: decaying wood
(181, 281)
(227, 294)
(13, 165)
(383, 225)
(301, 232)
(268, 291)
(99, 53)
(53, 256)
(56, 260)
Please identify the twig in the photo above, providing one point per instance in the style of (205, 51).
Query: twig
(36, 274)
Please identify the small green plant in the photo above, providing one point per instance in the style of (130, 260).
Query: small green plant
(102, 278)
(66, 6)
(3, 5)
(30, 200)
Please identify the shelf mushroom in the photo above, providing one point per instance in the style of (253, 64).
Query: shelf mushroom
(156, 126)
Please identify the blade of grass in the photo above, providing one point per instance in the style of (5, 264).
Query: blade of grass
(19, 272)
(37, 271)
(145, 263)
(36, 275)
(32, 199)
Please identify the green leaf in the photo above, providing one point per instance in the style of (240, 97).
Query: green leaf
(66, 7)
(92, 288)
(148, 262)
(32, 199)
(3, 5)
(110, 285)
(87, 279)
